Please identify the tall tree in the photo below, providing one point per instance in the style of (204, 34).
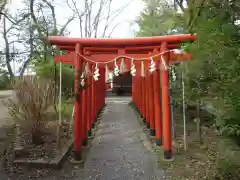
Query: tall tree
(212, 78)
(158, 18)
(25, 32)
(214, 73)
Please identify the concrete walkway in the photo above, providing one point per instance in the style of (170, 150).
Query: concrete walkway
(117, 152)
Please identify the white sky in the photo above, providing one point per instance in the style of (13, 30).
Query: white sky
(126, 28)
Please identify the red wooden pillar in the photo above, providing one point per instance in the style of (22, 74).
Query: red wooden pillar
(167, 139)
(84, 116)
(102, 97)
(96, 100)
(100, 87)
(136, 86)
(93, 84)
(140, 94)
(133, 89)
(144, 98)
(137, 92)
(98, 93)
(77, 114)
(151, 105)
(157, 106)
(147, 102)
(104, 89)
(89, 105)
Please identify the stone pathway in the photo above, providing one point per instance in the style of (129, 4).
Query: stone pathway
(118, 152)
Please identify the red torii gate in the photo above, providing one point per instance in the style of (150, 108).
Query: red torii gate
(146, 85)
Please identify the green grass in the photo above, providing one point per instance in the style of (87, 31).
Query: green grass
(66, 110)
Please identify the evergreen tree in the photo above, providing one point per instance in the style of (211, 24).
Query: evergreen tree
(159, 18)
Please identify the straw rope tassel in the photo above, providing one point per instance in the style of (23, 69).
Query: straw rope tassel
(122, 67)
(87, 69)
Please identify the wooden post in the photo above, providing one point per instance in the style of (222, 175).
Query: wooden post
(157, 107)
(144, 98)
(84, 117)
(157, 101)
(89, 104)
(77, 118)
(137, 92)
(133, 89)
(151, 105)
(140, 96)
(147, 102)
(93, 84)
(167, 125)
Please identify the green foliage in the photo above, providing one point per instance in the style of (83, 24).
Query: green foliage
(5, 80)
(212, 78)
(49, 70)
(227, 169)
(215, 70)
(66, 110)
(232, 131)
(159, 18)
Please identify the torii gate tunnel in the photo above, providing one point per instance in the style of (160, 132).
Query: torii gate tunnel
(150, 88)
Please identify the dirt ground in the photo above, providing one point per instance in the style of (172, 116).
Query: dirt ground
(201, 160)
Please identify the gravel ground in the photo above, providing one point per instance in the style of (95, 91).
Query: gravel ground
(117, 152)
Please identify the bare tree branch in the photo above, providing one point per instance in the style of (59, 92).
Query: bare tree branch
(25, 64)
(179, 3)
(112, 30)
(8, 18)
(2, 7)
(66, 24)
(97, 17)
(54, 32)
(79, 14)
(7, 49)
(34, 18)
(108, 17)
(91, 19)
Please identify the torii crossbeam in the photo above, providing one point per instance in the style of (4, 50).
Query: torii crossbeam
(150, 95)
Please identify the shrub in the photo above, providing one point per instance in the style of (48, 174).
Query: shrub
(227, 169)
(30, 106)
(4, 81)
(227, 161)
(232, 131)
